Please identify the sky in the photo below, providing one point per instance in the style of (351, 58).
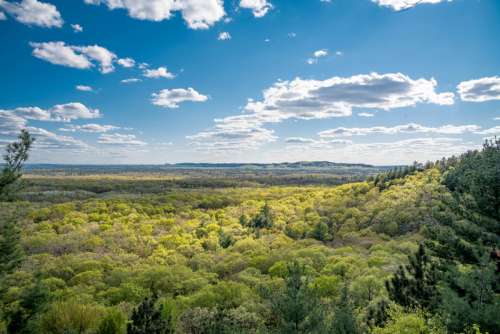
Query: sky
(164, 81)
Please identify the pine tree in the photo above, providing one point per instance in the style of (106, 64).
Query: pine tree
(147, 319)
(11, 252)
(15, 156)
(264, 219)
(414, 285)
(344, 321)
(296, 306)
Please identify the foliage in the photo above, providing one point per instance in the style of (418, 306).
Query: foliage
(16, 154)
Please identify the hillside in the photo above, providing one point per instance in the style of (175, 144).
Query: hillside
(261, 259)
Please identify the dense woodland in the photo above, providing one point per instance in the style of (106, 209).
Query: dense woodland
(412, 250)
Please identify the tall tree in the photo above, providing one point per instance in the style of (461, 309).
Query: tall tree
(414, 285)
(16, 154)
(296, 306)
(344, 321)
(11, 252)
(148, 319)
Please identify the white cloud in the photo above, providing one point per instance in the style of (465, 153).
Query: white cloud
(80, 57)
(171, 98)
(198, 14)
(224, 139)
(59, 54)
(321, 53)
(84, 88)
(366, 114)
(480, 90)
(99, 54)
(292, 34)
(320, 144)
(160, 72)
(224, 36)
(321, 99)
(491, 131)
(10, 123)
(33, 12)
(399, 5)
(77, 28)
(406, 128)
(130, 80)
(46, 140)
(337, 96)
(126, 62)
(2, 16)
(120, 139)
(90, 128)
(496, 119)
(58, 113)
(259, 7)
(382, 153)
(316, 55)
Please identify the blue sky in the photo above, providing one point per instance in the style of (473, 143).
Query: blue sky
(373, 81)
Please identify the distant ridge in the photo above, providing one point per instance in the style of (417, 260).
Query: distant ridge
(281, 165)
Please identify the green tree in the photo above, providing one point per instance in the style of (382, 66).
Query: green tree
(415, 285)
(296, 306)
(113, 323)
(16, 154)
(11, 251)
(264, 219)
(148, 319)
(344, 321)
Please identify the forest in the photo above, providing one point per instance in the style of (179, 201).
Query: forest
(403, 250)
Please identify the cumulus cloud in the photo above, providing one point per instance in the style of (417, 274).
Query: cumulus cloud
(90, 128)
(84, 88)
(126, 62)
(171, 98)
(120, 139)
(160, 72)
(33, 12)
(10, 123)
(480, 90)
(58, 53)
(198, 14)
(259, 7)
(77, 28)
(224, 36)
(58, 113)
(321, 99)
(406, 128)
(130, 80)
(337, 96)
(80, 57)
(399, 5)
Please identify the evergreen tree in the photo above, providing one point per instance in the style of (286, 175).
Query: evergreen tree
(11, 252)
(147, 319)
(296, 306)
(264, 219)
(344, 321)
(414, 285)
(15, 156)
